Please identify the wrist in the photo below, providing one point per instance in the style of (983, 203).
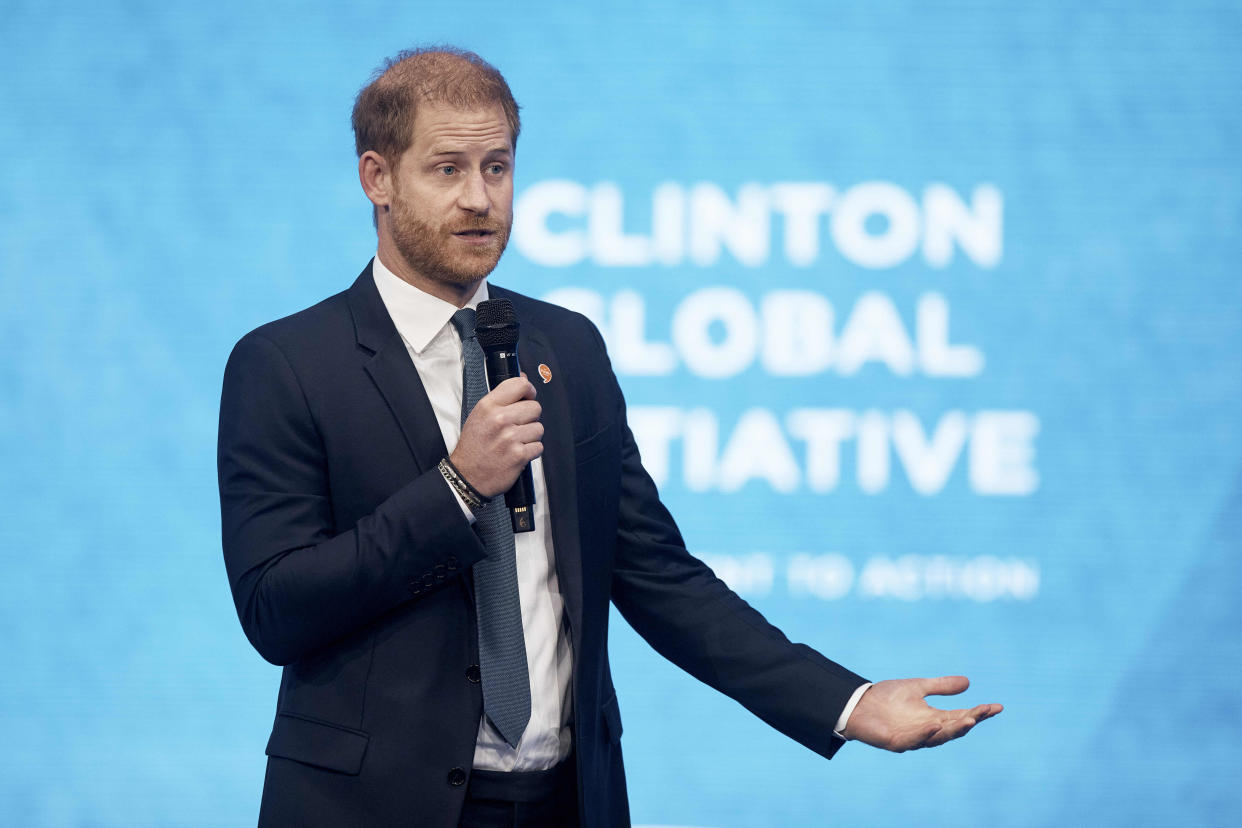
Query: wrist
(471, 496)
(843, 721)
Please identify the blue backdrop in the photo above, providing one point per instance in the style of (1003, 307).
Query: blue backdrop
(928, 315)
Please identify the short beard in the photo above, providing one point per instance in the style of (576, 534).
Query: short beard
(426, 248)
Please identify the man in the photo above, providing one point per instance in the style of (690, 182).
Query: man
(440, 669)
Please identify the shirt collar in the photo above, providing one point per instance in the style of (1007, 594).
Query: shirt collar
(418, 315)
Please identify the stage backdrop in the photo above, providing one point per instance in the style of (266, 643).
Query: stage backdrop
(928, 316)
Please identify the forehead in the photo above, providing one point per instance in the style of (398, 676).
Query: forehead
(439, 128)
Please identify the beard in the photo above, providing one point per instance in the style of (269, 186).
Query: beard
(432, 252)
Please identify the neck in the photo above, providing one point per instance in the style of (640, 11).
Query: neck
(455, 293)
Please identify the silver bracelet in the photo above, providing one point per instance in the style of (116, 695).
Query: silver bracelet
(469, 494)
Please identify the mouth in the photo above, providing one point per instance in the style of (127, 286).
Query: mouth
(474, 235)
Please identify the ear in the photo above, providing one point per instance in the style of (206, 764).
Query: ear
(375, 174)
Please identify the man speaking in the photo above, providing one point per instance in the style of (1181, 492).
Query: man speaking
(441, 668)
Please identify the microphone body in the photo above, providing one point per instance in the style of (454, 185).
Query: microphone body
(497, 332)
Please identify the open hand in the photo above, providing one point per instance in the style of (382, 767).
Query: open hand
(893, 714)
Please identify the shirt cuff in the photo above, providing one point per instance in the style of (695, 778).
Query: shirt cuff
(465, 510)
(844, 719)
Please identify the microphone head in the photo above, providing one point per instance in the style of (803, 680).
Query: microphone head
(496, 325)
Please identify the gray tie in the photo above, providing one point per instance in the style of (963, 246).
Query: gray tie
(502, 647)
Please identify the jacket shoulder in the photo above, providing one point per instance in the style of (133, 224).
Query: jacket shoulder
(309, 331)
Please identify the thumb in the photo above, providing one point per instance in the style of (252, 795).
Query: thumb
(944, 685)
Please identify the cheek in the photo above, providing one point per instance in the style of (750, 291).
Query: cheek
(502, 197)
(418, 203)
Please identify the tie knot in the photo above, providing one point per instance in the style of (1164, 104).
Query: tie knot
(463, 321)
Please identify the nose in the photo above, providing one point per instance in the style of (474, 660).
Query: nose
(473, 196)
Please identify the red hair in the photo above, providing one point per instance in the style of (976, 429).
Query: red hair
(385, 109)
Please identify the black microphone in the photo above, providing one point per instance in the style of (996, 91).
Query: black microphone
(496, 327)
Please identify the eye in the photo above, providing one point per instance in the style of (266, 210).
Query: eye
(496, 169)
(447, 169)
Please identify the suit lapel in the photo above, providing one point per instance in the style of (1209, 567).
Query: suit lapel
(558, 469)
(394, 374)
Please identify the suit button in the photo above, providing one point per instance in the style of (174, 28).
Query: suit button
(452, 563)
(415, 587)
(441, 572)
(457, 777)
(428, 581)
(473, 674)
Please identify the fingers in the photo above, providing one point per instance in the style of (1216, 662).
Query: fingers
(928, 738)
(529, 435)
(501, 435)
(957, 723)
(514, 414)
(512, 390)
(944, 685)
(978, 712)
(510, 404)
(949, 732)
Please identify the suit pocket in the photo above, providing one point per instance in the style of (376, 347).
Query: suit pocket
(322, 744)
(611, 712)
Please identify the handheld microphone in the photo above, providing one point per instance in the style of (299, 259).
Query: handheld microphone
(496, 328)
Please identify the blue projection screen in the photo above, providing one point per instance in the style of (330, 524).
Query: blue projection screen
(928, 316)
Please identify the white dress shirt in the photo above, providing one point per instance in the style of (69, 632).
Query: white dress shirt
(434, 345)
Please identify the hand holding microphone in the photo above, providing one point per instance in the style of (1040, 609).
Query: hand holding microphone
(502, 434)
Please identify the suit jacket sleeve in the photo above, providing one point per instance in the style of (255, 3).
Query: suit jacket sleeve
(678, 605)
(299, 581)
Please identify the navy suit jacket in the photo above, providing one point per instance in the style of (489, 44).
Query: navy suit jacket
(349, 561)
